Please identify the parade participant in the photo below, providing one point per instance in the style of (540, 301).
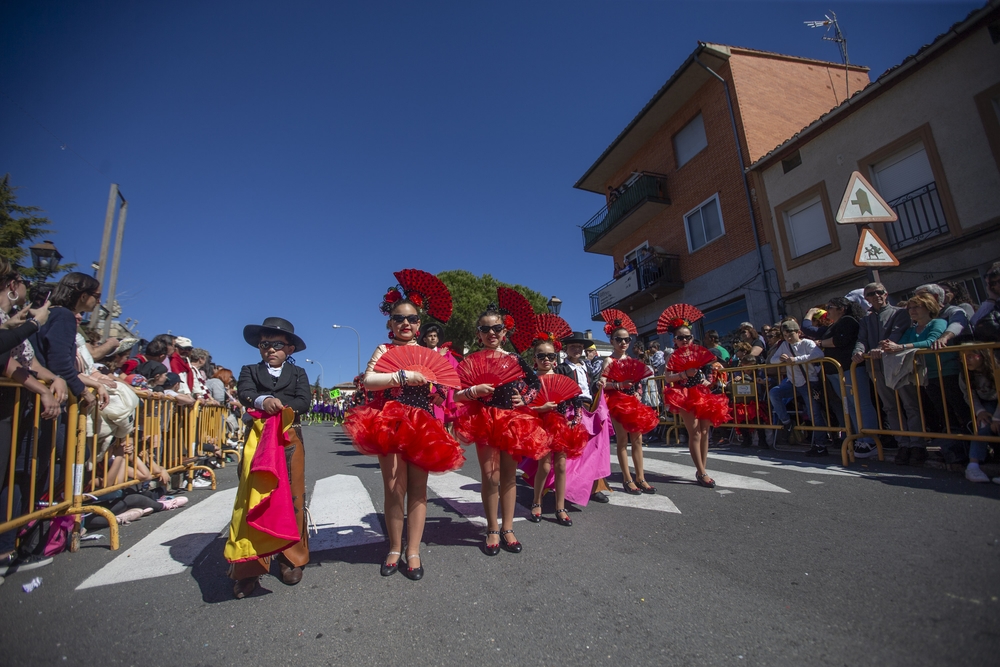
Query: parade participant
(497, 420)
(622, 378)
(560, 406)
(691, 371)
(443, 404)
(396, 423)
(269, 517)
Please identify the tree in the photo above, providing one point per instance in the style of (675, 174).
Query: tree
(17, 232)
(470, 295)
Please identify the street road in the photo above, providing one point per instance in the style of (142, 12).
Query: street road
(787, 562)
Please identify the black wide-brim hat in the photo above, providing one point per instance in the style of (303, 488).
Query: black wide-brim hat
(578, 337)
(252, 332)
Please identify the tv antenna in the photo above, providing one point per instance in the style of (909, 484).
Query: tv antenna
(830, 23)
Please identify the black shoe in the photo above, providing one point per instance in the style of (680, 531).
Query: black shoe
(902, 456)
(388, 570)
(535, 518)
(491, 549)
(783, 436)
(513, 547)
(600, 497)
(644, 486)
(563, 520)
(816, 450)
(918, 456)
(746, 439)
(413, 573)
(633, 491)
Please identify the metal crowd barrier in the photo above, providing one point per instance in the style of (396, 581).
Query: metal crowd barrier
(212, 430)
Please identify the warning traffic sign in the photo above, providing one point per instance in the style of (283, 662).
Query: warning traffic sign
(862, 205)
(873, 252)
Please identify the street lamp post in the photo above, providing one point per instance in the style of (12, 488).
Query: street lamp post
(555, 305)
(344, 326)
(321, 371)
(45, 258)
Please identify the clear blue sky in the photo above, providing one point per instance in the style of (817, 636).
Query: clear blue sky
(285, 158)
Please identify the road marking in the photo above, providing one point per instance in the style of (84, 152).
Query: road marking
(813, 481)
(795, 466)
(461, 493)
(724, 492)
(725, 479)
(343, 511)
(172, 547)
(656, 502)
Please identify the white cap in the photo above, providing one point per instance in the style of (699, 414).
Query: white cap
(181, 341)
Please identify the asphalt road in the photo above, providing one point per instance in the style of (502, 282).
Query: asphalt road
(786, 563)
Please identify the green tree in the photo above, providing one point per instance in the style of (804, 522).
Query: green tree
(18, 232)
(470, 294)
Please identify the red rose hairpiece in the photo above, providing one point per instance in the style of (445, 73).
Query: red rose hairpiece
(508, 322)
(546, 337)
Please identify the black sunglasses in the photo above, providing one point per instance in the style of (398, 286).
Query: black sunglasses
(684, 337)
(626, 339)
(547, 356)
(399, 319)
(486, 328)
(273, 344)
(879, 292)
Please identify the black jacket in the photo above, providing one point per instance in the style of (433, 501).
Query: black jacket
(291, 387)
(566, 369)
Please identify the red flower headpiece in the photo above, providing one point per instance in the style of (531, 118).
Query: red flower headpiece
(547, 337)
(617, 319)
(677, 316)
(508, 322)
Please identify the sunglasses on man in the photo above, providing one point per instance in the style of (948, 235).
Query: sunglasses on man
(546, 356)
(486, 328)
(878, 292)
(399, 319)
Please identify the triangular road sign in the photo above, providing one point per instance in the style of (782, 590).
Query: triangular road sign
(862, 205)
(872, 251)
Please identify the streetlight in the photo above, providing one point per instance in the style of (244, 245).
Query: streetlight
(321, 371)
(344, 326)
(555, 304)
(45, 258)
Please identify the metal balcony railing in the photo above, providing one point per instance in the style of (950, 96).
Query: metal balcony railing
(653, 271)
(920, 217)
(646, 187)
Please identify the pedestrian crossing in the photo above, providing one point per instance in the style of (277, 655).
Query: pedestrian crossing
(343, 514)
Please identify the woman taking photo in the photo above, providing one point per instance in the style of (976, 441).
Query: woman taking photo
(497, 419)
(622, 379)
(397, 425)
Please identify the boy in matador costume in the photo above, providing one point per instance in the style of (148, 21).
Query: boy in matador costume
(269, 515)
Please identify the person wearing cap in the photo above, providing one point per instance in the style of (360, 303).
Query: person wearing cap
(593, 360)
(585, 475)
(276, 392)
(179, 361)
(803, 380)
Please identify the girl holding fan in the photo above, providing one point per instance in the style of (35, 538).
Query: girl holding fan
(691, 371)
(622, 379)
(497, 388)
(397, 424)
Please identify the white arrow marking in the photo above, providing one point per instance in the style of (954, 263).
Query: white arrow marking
(343, 512)
(724, 479)
(171, 548)
(462, 495)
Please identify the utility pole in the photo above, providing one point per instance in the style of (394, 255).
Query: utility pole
(102, 264)
(110, 299)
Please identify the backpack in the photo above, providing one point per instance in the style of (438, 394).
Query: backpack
(46, 537)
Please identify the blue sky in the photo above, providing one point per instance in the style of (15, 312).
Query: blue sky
(285, 158)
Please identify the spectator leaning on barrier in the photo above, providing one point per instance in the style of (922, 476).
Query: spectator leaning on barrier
(657, 359)
(801, 380)
(838, 343)
(986, 322)
(179, 362)
(748, 334)
(925, 329)
(982, 365)
(955, 294)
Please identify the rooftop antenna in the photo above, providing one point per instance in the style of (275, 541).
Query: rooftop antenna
(830, 23)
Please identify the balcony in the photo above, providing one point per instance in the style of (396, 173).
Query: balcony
(640, 201)
(920, 217)
(651, 278)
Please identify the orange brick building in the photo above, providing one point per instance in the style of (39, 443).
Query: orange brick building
(681, 219)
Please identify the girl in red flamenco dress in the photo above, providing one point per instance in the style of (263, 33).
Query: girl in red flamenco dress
(497, 419)
(629, 417)
(397, 425)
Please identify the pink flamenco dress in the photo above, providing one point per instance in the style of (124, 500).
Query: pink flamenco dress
(627, 410)
(694, 397)
(400, 420)
(494, 421)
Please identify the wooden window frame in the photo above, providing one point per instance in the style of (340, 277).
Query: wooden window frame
(991, 122)
(831, 226)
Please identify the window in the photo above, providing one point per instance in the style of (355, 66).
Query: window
(689, 141)
(807, 227)
(725, 319)
(704, 224)
(637, 254)
(906, 182)
(904, 172)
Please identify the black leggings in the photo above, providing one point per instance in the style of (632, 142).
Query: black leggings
(127, 502)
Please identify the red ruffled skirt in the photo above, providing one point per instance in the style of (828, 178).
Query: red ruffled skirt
(700, 402)
(402, 429)
(519, 431)
(566, 438)
(630, 413)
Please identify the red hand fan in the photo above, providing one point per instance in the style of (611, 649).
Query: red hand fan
(433, 293)
(616, 319)
(674, 316)
(553, 324)
(692, 356)
(524, 317)
(490, 367)
(421, 360)
(628, 369)
(556, 388)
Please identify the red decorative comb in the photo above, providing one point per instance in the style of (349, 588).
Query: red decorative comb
(616, 319)
(523, 314)
(426, 291)
(677, 315)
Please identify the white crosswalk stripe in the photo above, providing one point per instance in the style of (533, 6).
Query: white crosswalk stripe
(344, 513)
(656, 502)
(461, 493)
(723, 479)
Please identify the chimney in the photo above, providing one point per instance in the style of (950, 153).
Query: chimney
(588, 334)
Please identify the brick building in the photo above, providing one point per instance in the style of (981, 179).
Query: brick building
(682, 219)
(926, 135)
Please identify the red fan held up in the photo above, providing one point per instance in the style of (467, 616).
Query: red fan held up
(421, 360)
(427, 291)
(524, 317)
(617, 319)
(628, 369)
(556, 389)
(490, 367)
(676, 316)
(551, 328)
(692, 356)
